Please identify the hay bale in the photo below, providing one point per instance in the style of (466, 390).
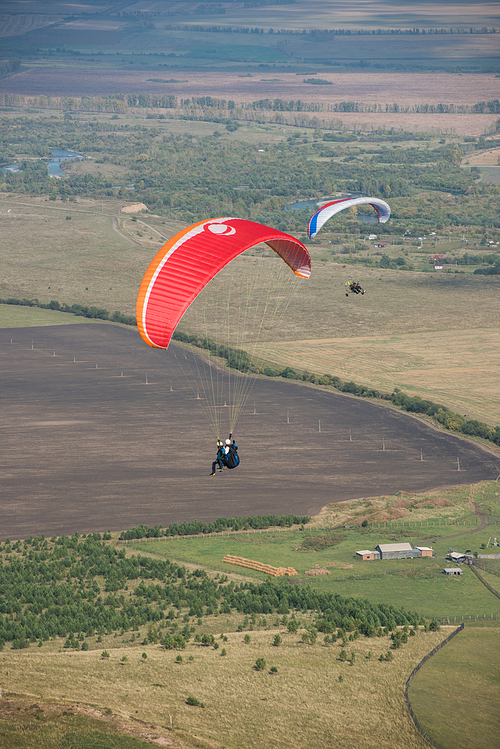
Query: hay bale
(267, 569)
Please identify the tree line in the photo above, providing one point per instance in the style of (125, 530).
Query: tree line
(220, 525)
(123, 103)
(79, 310)
(327, 34)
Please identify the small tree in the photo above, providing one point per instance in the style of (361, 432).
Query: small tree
(277, 641)
(194, 701)
(343, 655)
(260, 664)
(246, 639)
(104, 655)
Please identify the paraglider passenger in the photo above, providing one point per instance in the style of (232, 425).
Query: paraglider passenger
(232, 457)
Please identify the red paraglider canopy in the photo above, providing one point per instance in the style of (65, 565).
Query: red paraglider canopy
(188, 261)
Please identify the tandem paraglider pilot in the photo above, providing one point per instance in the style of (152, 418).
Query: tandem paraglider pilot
(227, 456)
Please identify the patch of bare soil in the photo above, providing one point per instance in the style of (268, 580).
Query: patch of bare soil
(134, 208)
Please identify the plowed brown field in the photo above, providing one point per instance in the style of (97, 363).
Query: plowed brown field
(86, 448)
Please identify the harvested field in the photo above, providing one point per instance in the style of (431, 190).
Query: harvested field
(86, 448)
(405, 89)
(448, 367)
(369, 88)
(483, 158)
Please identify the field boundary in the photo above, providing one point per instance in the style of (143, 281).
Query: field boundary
(423, 733)
(481, 579)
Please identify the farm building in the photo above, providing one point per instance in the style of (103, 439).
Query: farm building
(457, 556)
(452, 571)
(425, 551)
(395, 551)
(367, 556)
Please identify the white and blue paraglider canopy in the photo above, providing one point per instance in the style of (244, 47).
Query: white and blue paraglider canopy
(330, 209)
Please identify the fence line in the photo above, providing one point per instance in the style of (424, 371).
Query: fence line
(415, 670)
(392, 524)
(485, 582)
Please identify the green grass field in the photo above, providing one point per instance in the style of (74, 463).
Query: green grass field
(441, 520)
(415, 584)
(12, 316)
(454, 694)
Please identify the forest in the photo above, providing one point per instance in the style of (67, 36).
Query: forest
(81, 587)
(186, 179)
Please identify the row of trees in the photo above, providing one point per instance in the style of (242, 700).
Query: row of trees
(122, 103)
(220, 525)
(327, 34)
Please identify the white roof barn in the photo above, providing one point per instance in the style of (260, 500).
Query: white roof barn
(396, 551)
(387, 548)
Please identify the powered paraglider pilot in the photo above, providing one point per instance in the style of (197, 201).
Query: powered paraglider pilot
(353, 288)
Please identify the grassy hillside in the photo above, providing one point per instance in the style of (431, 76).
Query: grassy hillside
(312, 685)
(304, 701)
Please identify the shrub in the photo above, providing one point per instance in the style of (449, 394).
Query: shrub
(194, 701)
